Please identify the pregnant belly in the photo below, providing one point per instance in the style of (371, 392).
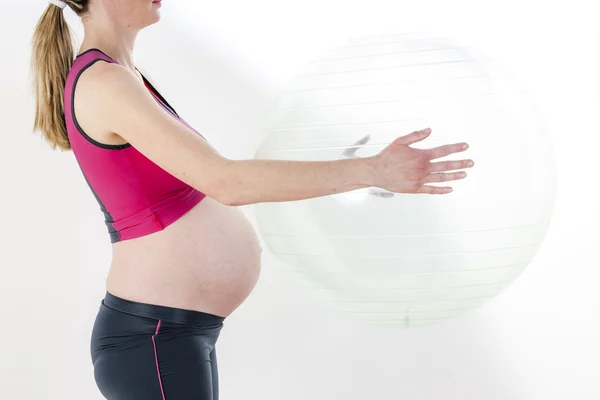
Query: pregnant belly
(208, 260)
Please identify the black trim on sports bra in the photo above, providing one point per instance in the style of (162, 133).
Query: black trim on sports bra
(157, 94)
(93, 49)
(115, 236)
(85, 135)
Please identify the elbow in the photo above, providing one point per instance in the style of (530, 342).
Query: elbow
(223, 188)
(233, 202)
(226, 197)
(227, 201)
(226, 189)
(219, 196)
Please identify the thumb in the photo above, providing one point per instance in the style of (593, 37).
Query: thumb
(414, 137)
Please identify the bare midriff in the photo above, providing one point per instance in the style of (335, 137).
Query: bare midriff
(208, 260)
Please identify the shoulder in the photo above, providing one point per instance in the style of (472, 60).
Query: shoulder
(110, 92)
(103, 76)
(112, 104)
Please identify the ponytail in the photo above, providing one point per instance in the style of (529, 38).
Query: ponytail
(52, 58)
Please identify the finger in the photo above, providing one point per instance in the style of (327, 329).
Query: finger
(445, 177)
(450, 165)
(350, 152)
(434, 189)
(414, 137)
(442, 151)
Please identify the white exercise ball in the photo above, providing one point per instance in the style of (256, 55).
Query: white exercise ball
(409, 259)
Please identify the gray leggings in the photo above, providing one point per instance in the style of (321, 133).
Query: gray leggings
(147, 352)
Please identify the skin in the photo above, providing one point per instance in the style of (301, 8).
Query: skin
(113, 26)
(209, 259)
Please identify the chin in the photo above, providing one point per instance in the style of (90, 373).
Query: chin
(154, 19)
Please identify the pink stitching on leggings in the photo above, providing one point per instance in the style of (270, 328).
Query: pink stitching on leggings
(156, 358)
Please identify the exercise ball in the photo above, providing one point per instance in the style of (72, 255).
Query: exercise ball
(409, 259)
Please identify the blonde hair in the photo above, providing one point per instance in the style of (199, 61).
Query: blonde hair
(51, 60)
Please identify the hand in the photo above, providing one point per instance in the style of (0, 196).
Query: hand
(403, 169)
(350, 152)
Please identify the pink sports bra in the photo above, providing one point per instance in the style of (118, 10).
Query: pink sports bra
(136, 196)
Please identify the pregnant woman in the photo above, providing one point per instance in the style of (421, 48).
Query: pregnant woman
(184, 256)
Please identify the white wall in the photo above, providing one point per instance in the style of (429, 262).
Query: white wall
(220, 64)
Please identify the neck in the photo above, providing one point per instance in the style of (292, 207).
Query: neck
(115, 41)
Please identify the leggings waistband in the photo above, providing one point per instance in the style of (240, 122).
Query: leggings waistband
(176, 315)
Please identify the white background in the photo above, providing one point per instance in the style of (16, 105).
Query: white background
(221, 64)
